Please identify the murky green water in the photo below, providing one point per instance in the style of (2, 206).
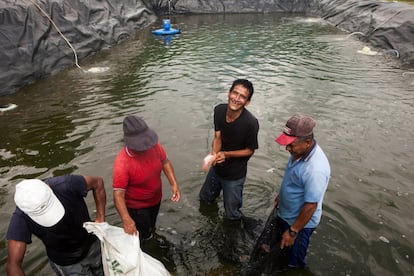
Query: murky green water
(71, 123)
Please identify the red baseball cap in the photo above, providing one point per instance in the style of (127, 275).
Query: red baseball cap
(297, 126)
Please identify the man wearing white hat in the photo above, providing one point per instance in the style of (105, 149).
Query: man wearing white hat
(54, 210)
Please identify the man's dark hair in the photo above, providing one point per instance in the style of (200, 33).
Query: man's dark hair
(246, 84)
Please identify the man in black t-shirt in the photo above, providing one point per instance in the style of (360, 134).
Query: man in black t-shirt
(54, 211)
(235, 140)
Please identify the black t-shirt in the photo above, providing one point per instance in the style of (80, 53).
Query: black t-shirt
(67, 242)
(237, 135)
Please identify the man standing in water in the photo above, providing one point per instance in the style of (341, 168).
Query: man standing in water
(235, 140)
(298, 206)
(137, 181)
(54, 210)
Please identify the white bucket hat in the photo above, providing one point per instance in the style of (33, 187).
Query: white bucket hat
(37, 200)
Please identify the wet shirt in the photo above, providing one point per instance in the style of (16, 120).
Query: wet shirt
(139, 174)
(67, 242)
(237, 135)
(305, 180)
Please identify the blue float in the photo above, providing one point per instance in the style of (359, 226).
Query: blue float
(166, 29)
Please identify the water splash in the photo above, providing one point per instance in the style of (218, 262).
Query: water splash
(367, 51)
(97, 70)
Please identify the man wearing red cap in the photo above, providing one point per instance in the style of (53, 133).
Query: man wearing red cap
(298, 206)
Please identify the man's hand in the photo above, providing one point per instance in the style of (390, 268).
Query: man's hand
(287, 240)
(220, 157)
(129, 226)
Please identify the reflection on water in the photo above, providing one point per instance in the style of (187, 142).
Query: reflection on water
(363, 105)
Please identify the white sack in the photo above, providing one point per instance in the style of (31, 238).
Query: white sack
(122, 254)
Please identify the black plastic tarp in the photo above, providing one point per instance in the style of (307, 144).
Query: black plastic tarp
(386, 25)
(31, 47)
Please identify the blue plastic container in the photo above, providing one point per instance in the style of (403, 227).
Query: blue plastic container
(166, 24)
(166, 29)
(171, 31)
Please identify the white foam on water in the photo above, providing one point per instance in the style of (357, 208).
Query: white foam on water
(312, 20)
(97, 69)
(384, 239)
(367, 51)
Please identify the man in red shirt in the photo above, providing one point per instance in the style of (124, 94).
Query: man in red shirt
(137, 178)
